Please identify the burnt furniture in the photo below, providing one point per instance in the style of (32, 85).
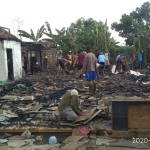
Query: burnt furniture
(130, 113)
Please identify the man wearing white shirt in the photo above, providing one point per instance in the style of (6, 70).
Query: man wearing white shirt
(106, 59)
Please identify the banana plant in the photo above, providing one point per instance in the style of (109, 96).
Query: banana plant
(36, 38)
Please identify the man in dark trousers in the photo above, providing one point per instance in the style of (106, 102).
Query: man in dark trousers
(25, 63)
(9, 69)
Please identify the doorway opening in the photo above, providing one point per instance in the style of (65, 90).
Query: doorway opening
(10, 64)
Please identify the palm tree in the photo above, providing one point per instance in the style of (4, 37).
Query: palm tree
(31, 35)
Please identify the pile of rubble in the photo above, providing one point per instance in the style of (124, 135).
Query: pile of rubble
(81, 138)
(34, 100)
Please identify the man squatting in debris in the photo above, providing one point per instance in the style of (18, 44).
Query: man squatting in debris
(68, 106)
(90, 70)
(64, 64)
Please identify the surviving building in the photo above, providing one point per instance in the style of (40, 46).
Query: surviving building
(35, 53)
(10, 56)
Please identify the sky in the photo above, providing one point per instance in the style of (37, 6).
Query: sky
(61, 13)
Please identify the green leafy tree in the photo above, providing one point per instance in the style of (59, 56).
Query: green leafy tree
(135, 28)
(80, 34)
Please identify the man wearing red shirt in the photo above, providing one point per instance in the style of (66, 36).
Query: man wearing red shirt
(80, 62)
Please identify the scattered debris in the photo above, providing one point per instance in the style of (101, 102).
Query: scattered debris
(73, 139)
(39, 138)
(34, 102)
(26, 134)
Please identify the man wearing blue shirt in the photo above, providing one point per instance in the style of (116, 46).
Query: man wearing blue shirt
(140, 59)
(101, 61)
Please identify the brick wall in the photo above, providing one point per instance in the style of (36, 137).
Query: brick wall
(51, 53)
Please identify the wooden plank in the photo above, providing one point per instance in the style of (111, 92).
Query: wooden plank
(139, 116)
(92, 116)
(88, 112)
(53, 108)
(81, 118)
(28, 98)
(9, 97)
(85, 115)
(120, 134)
(35, 108)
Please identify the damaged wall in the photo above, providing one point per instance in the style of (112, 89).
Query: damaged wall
(16, 52)
(3, 63)
(36, 49)
(51, 53)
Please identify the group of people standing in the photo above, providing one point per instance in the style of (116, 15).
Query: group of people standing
(85, 62)
(73, 62)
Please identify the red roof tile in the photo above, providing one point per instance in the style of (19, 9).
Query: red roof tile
(5, 35)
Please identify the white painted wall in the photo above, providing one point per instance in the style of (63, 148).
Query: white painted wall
(17, 65)
(3, 63)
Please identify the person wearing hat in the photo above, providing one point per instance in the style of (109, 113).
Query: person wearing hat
(69, 57)
(45, 61)
(68, 106)
(59, 56)
(37, 67)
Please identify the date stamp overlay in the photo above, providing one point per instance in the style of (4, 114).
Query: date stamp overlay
(140, 140)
